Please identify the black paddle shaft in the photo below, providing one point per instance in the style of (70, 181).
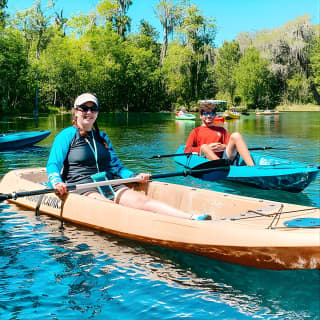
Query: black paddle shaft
(189, 172)
(216, 165)
(189, 154)
(15, 195)
(158, 156)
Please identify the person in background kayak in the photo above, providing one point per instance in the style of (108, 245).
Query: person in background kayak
(182, 112)
(214, 142)
(82, 150)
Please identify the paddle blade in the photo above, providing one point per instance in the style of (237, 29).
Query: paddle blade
(212, 164)
(4, 197)
(212, 170)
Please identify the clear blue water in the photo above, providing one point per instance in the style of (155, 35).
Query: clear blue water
(75, 273)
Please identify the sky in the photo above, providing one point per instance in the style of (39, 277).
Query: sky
(231, 16)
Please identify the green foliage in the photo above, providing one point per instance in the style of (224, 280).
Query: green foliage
(197, 34)
(254, 79)
(135, 72)
(298, 90)
(315, 62)
(197, 31)
(227, 61)
(114, 12)
(287, 48)
(237, 100)
(35, 25)
(13, 71)
(169, 15)
(3, 14)
(176, 72)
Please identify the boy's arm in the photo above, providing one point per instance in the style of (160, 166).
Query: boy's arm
(191, 144)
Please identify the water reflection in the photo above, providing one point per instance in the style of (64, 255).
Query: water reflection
(33, 156)
(91, 265)
(80, 274)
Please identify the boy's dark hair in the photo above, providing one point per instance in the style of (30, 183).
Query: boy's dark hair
(207, 107)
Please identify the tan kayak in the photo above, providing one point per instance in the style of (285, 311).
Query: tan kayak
(244, 230)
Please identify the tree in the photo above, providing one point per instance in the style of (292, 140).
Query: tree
(123, 21)
(148, 30)
(287, 50)
(254, 80)
(315, 66)
(226, 63)
(3, 15)
(13, 71)
(82, 23)
(147, 38)
(197, 32)
(34, 23)
(61, 22)
(114, 11)
(176, 72)
(169, 16)
(298, 90)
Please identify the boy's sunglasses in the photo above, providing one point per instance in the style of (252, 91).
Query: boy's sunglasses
(85, 108)
(211, 114)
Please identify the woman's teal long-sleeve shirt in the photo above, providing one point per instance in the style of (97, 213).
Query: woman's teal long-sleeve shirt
(59, 153)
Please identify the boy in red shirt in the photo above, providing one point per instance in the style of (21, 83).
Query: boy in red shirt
(215, 142)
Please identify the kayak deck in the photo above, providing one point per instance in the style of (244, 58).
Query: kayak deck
(244, 230)
(268, 172)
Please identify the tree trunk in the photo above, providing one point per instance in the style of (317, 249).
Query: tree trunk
(315, 93)
(164, 47)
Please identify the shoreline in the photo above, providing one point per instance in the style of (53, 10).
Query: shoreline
(303, 107)
(281, 108)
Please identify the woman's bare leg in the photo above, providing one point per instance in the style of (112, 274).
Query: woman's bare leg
(137, 200)
(133, 199)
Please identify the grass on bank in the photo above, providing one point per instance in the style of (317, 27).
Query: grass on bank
(299, 107)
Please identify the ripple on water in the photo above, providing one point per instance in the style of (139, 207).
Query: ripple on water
(75, 273)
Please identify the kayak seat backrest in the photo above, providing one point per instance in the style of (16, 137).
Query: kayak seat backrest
(106, 191)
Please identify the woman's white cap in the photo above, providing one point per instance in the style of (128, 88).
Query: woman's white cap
(84, 98)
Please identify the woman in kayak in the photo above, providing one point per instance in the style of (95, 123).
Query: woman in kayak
(81, 152)
(215, 142)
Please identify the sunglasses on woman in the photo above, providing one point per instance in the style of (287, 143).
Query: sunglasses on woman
(85, 109)
(211, 114)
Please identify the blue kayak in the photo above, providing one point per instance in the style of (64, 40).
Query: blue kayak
(268, 173)
(16, 140)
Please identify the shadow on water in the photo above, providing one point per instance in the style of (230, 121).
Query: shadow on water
(247, 289)
(33, 156)
(89, 268)
(297, 198)
(78, 270)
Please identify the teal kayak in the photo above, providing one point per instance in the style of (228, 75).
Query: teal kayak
(16, 140)
(268, 173)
